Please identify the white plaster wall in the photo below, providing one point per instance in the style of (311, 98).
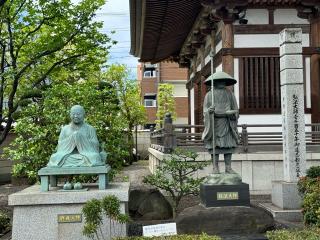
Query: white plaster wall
(207, 59)
(143, 141)
(308, 82)
(199, 68)
(266, 119)
(288, 16)
(192, 107)
(256, 16)
(180, 89)
(219, 68)
(192, 75)
(236, 76)
(218, 46)
(262, 40)
(181, 120)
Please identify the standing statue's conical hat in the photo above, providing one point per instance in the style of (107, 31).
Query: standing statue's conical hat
(221, 76)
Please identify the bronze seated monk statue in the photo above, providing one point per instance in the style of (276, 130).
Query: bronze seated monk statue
(78, 145)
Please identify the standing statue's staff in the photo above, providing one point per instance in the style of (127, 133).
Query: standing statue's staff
(212, 96)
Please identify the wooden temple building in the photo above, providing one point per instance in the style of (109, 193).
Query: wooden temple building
(242, 36)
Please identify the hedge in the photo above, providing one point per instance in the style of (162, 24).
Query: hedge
(175, 237)
(308, 233)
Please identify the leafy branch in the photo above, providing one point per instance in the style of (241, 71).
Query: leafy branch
(176, 175)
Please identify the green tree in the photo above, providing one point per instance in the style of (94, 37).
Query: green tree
(41, 39)
(166, 102)
(175, 175)
(132, 111)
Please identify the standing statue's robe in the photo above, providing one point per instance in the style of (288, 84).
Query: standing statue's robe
(77, 147)
(226, 132)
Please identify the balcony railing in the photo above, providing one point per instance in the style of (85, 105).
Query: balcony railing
(253, 137)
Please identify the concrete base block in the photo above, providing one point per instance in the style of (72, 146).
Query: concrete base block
(285, 195)
(281, 214)
(56, 215)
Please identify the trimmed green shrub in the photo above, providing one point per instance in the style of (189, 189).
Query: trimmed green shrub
(313, 172)
(309, 188)
(310, 234)
(4, 222)
(175, 237)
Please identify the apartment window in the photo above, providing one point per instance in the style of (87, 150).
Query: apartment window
(150, 100)
(259, 84)
(150, 73)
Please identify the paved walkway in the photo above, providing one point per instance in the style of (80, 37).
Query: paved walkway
(134, 173)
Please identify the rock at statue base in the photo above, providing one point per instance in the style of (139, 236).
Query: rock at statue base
(224, 221)
(148, 204)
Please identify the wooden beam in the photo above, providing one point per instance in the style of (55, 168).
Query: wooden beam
(268, 28)
(227, 42)
(271, 16)
(315, 70)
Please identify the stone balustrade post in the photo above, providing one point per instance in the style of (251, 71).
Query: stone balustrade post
(169, 138)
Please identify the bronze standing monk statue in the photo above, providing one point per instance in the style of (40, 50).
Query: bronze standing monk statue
(224, 113)
(78, 145)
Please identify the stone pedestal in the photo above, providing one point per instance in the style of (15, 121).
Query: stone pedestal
(285, 195)
(56, 215)
(224, 195)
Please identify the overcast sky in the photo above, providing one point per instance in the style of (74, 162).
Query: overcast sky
(115, 15)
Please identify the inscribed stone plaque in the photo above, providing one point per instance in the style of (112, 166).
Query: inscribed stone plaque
(227, 195)
(69, 218)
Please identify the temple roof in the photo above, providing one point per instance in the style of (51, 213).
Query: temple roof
(159, 28)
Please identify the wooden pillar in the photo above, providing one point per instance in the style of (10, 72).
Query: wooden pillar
(227, 42)
(315, 70)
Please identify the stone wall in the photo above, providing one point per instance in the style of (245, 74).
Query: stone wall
(143, 143)
(258, 169)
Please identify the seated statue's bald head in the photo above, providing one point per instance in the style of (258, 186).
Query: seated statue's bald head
(77, 114)
(77, 108)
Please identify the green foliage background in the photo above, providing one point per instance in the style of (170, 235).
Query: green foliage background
(309, 188)
(40, 122)
(44, 42)
(166, 103)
